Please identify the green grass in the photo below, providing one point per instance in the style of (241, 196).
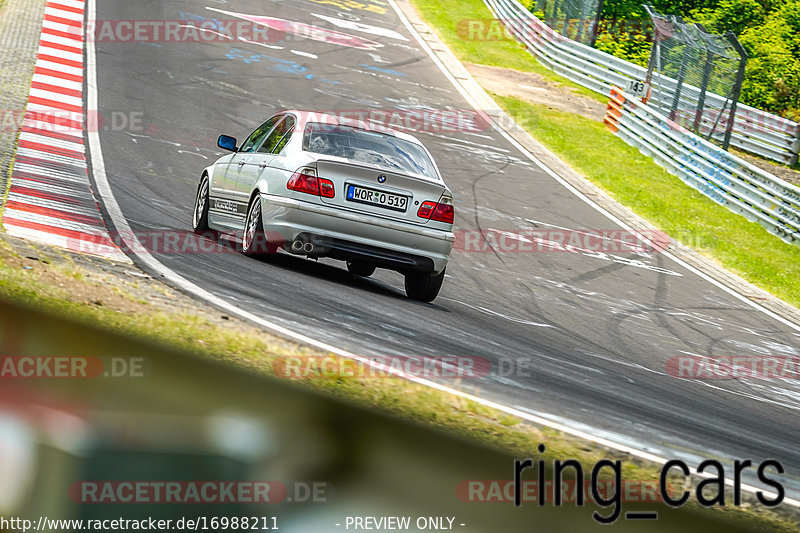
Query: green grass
(637, 182)
(450, 19)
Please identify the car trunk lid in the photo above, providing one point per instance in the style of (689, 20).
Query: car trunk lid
(377, 192)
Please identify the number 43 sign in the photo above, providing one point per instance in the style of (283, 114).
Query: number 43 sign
(637, 88)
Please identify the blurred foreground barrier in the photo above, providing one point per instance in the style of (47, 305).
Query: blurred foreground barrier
(728, 180)
(209, 446)
(754, 130)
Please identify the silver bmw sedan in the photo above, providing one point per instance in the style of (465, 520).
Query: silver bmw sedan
(321, 185)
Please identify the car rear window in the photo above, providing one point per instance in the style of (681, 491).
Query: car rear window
(368, 147)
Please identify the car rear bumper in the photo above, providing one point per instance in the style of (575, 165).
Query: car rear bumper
(352, 236)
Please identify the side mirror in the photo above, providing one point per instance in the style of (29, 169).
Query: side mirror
(227, 143)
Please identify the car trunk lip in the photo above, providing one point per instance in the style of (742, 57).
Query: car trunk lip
(323, 159)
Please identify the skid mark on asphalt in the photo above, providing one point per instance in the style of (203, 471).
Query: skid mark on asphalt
(395, 80)
(50, 198)
(500, 315)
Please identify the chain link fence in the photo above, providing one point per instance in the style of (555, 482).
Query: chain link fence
(574, 19)
(687, 64)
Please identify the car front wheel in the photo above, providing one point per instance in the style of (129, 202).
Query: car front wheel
(423, 287)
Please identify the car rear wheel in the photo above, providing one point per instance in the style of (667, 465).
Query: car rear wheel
(254, 240)
(359, 268)
(423, 287)
(200, 215)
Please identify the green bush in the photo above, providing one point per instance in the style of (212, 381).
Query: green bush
(633, 47)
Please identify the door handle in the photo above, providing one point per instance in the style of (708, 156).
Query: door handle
(242, 162)
(263, 165)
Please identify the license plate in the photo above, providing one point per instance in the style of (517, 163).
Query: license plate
(378, 198)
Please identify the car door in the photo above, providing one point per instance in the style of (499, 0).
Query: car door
(265, 155)
(226, 200)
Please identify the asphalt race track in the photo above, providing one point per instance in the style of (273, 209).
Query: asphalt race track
(597, 332)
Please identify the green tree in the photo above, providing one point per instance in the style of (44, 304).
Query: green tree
(731, 15)
(772, 77)
(769, 30)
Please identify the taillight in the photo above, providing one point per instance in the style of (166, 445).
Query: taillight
(440, 212)
(326, 188)
(306, 181)
(303, 183)
(426, 209)
(443, 213)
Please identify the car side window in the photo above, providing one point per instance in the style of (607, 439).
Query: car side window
(257, 136)
(279, 136)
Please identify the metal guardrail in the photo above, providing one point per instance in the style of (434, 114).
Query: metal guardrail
(728, 180)
(754, 131)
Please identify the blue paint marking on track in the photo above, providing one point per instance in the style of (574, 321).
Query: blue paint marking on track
(385, 70)
(185, 15)
(287, 66)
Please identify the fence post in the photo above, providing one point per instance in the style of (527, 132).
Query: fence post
(701, 100)
(737, 89)
(676, 100)
(596, 25)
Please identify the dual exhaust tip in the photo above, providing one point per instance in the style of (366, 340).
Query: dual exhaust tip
(302, 246)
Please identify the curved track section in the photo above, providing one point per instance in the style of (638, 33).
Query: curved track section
(585, 338)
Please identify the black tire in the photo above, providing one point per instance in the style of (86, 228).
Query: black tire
(254, 240)
(360, 268)
(201, 204)
(423, 287)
